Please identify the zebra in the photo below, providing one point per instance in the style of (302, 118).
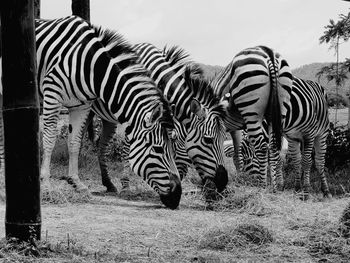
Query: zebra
(248, 162)
(256, 84)
(199, 132)
(80, 65)
(306, 128)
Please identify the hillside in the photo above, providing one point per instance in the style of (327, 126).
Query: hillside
(309, 72)
(305, 72)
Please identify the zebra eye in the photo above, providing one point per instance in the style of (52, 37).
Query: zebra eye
(173, 135)
(158, 149)
(208, 140)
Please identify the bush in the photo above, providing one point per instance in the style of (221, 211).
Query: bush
(336, 100)
(338, 148)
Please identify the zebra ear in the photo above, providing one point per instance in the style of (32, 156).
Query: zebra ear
(225, 100)
(197, 109)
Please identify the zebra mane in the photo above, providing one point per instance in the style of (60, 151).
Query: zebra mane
(203, 91)
(176, 56)
(125, 57)
(113, 41)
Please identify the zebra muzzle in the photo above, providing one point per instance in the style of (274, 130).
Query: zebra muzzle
(221, 178)
(172, 198)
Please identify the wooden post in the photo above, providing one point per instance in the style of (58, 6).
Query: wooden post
(21, 120)
(36, 9)
(81, 8)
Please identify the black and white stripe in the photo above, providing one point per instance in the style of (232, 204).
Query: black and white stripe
(306, 128)
(80, 65)
(256, 84)
(199, 129)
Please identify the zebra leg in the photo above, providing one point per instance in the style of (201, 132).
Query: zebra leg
(261, 153)
(237, 139)
(276, 165)
(77, 118)
(279, 174)
(108, 130)
(51, 112)
(124, 179)
(306, 163)
(320, 152)
(273, 160)
(295, 159)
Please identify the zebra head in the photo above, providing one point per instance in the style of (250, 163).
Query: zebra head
(206, 132)
(151, 154)
(247, 159)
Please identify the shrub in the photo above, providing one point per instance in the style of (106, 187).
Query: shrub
(338, 148)
(336, 100)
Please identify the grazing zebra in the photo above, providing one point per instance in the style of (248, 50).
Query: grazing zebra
(248, 162)
(256, 84)
(306, 128)
(80, 65)
(199, 132)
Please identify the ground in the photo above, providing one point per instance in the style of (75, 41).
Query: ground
(105, 228)
(247, 225)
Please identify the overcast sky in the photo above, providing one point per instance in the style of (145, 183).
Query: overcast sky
(213, 31)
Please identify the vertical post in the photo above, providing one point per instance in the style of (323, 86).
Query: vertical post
(36, 9)
(81, 8)
(21, 120)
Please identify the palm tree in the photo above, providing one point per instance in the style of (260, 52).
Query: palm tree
(81, 8)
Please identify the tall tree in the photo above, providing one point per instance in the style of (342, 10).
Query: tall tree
(335, 34)
(81, 8)
(338, 73)
(21, 120)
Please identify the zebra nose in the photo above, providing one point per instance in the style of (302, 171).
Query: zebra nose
(172, 198)
(221, 178)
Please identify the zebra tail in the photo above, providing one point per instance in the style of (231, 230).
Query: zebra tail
(274, 114)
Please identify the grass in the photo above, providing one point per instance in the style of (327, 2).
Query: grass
(67, 250)
(232, 237)
(246, 224)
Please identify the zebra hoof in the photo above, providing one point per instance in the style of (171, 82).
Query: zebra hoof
(110, 188)
(125, 193)
(79, 186)
(303, 196)
(327, 195)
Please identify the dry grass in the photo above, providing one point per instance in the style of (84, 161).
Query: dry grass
(60, 192)
(62, 251)
(247, 224)
(232, 237)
